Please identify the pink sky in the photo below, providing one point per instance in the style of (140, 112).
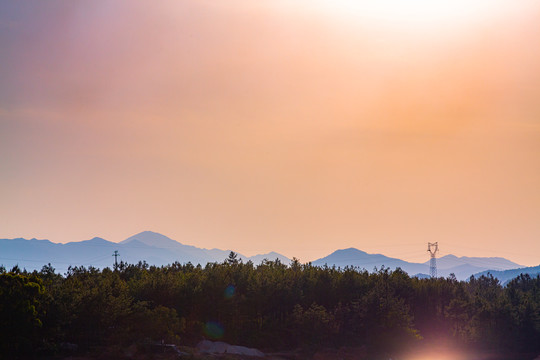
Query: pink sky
(299, 127)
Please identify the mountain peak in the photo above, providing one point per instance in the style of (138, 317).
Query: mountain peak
(354, 257)
(149, 233)
(349, 251)
(271, 256)
(153, 239)
(97, 239)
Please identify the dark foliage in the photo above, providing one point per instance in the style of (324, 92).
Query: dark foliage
(270, 306)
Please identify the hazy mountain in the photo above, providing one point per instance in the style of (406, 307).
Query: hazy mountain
(158, 249)
(33, 254)
(257, 259)
(494, 263)
(360, 259)
(154, 239)
(187, 253)
(506, 275)
(152, 247)
(462, 267)
(462, 272)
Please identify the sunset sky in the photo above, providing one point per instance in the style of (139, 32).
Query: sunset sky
(298, 126)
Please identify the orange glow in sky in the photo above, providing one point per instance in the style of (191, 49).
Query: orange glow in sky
(292, 126)
(414, 12)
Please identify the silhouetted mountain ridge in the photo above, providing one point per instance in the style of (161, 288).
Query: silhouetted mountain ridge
(158, 249)
(462, 267)
(494, 263)
(149, 246)
(505, 276)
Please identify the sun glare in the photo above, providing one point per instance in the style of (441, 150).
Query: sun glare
(440, 353)
(417, 14)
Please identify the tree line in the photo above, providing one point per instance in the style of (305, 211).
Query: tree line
(271, 306)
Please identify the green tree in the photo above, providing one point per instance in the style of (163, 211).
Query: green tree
(20, 313)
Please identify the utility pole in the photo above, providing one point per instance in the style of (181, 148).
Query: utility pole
(116, 255)
(432, 248)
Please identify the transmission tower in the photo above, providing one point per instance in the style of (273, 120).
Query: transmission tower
(116, 255)
(432, 248)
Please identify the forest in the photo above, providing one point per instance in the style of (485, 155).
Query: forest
(270, 306)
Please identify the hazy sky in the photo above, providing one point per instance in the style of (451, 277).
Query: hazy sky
(298, 126)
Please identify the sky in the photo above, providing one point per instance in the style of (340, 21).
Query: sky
(298, 126)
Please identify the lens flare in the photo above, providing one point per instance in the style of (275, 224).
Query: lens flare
(442, 354)
(230, 291)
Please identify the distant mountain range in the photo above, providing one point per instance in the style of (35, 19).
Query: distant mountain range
(154, 248)
(158, 249)
(462, 267)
